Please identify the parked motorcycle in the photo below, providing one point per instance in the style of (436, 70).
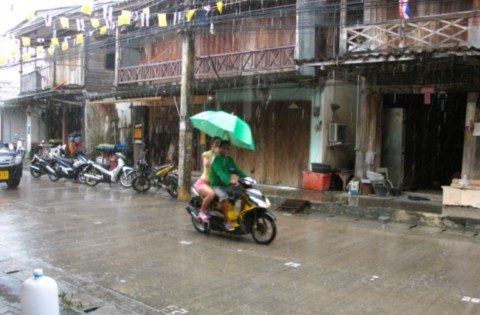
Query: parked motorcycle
(96, 173)
(62, 167)
(39, 162)
(247, 211)
(164, 176)
(38, 165)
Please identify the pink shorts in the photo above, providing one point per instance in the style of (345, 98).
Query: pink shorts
(200, 182)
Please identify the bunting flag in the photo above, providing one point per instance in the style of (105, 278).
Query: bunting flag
(95, 23)
(220, 6)
(80, 25)
(176, 17)
(3, 59)
(87, 8)
(108, 14)
(79, 39)
(144, 20)
(54, 42)
(64, 22)
(25, 41)
(190, 15)
(40, 50)
(125, 18)
(162, 19)
(65, 45)
(26, 56)
(404, 9)
(30, 15)
(48, 20)
(145, 17)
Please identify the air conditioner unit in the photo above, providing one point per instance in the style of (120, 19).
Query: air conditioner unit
(337, 133)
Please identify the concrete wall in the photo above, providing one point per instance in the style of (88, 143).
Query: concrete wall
(14, 122)
(344, 95)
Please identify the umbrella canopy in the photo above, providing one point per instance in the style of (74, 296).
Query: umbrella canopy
(217, 123)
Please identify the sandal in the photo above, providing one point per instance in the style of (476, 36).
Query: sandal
(203, 217)
(229, 227)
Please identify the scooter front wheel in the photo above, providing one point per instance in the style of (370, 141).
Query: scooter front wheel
(263, 229)
(200, 226)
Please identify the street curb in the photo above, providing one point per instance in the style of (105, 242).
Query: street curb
(387, 211)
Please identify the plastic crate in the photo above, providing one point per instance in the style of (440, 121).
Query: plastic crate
(316, 181)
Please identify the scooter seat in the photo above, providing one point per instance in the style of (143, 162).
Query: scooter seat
(67, 160)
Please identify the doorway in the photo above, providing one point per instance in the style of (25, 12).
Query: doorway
(427, 147)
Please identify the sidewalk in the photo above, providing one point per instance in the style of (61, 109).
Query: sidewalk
(413, 208)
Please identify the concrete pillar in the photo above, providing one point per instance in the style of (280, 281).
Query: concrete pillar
(470, 141)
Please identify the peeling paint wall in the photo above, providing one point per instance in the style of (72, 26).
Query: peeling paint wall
(107, 124)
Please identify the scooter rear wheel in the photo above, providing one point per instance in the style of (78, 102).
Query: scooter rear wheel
(53, 177)
(92, 181)
(126, 178)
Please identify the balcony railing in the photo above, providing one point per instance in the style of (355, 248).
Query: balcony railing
(234, 64)
(36, 80)
(436, 31)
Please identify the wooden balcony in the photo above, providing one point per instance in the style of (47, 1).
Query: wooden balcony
(430, 32)
(223, 65)
(36, 80)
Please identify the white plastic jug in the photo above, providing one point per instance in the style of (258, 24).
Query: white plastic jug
(39, 295)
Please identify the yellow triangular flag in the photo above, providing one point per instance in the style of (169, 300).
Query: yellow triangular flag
(51, 50)
(146, 10)
(54, 42)
(26, 57)
(103, 30)
(64, 22)
(162, 19)
(95, 23)
(30, 15)
(25, 41)
(79, 39)
(87, 8)
(190, 14)
(40, 50)
(13, 52)
(65, 45)
(3, 59)
(220, 6)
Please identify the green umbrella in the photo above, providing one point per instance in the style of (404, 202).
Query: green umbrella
(216, 124)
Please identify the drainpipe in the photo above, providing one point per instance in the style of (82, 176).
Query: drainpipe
(357, 116)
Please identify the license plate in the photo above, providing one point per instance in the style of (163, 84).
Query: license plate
(4, 174)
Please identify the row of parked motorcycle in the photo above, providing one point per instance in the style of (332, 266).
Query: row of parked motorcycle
(53, 163)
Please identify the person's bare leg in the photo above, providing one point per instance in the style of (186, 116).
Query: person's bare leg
(208, 196)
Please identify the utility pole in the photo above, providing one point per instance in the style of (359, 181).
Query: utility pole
(185, 132)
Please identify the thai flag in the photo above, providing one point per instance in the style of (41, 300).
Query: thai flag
(405, 13)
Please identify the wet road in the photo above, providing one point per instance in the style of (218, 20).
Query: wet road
(120, 252)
